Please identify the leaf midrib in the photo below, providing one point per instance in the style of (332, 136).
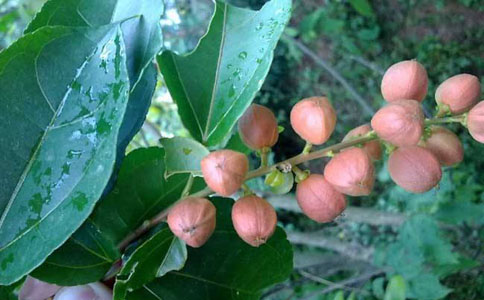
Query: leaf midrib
(217, 73)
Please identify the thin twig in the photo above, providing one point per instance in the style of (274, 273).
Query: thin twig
(454, 119)
(301, 158)
(316, 239)
(321, 62)
(367, 64)
(336, 285)
(350, 281)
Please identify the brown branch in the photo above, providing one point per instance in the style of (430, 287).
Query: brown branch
(367, 64)
(298, 159)
(335, 285)
(294, 161)
(317, 239)
(357, 280)
(351, 213)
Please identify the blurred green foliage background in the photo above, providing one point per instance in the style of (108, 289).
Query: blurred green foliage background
(391, 244)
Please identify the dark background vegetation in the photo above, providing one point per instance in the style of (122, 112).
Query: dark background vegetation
(341, 49)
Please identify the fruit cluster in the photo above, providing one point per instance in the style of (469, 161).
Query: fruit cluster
(417, 150)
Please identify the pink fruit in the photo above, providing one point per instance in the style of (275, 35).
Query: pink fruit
(400, 123)
(92, 291)
(193, 220)
(224, 171)
(313, 119)
(460, 93)
(414, 168)
(319, 200)
(445, 145)
(254, 220)
(34, 289)
(475, 122)
(351, 172)
(373, 148)
(405, 80)
(258, 127)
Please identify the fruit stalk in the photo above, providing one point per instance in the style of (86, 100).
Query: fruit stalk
(453, 119)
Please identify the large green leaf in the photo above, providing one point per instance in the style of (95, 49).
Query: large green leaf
(143, 40)
(214, 84)
(85, 257)
(225, 267)
(142, 33)
(161, 253)
(140, 192)
(183, 155)
(64, 93)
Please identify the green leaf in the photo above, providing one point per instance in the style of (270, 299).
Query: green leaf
(215, 84)
(125, 208)
(10, 292)
(395, 289)
(460, 212)
(421, 254)
(225, 267)
(143, 40)
(377, 287)
(363, 7)
(331, 26)
(427, 286)
(183, 155)
(85, 257)
(142, 32)
(161, 253)
(58, 130)
(339, 296)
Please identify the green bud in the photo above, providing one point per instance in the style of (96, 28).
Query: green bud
(274, 179)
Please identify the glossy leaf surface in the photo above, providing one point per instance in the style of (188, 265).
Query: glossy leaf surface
(64, 92)
(215, 83)
(143, 40)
